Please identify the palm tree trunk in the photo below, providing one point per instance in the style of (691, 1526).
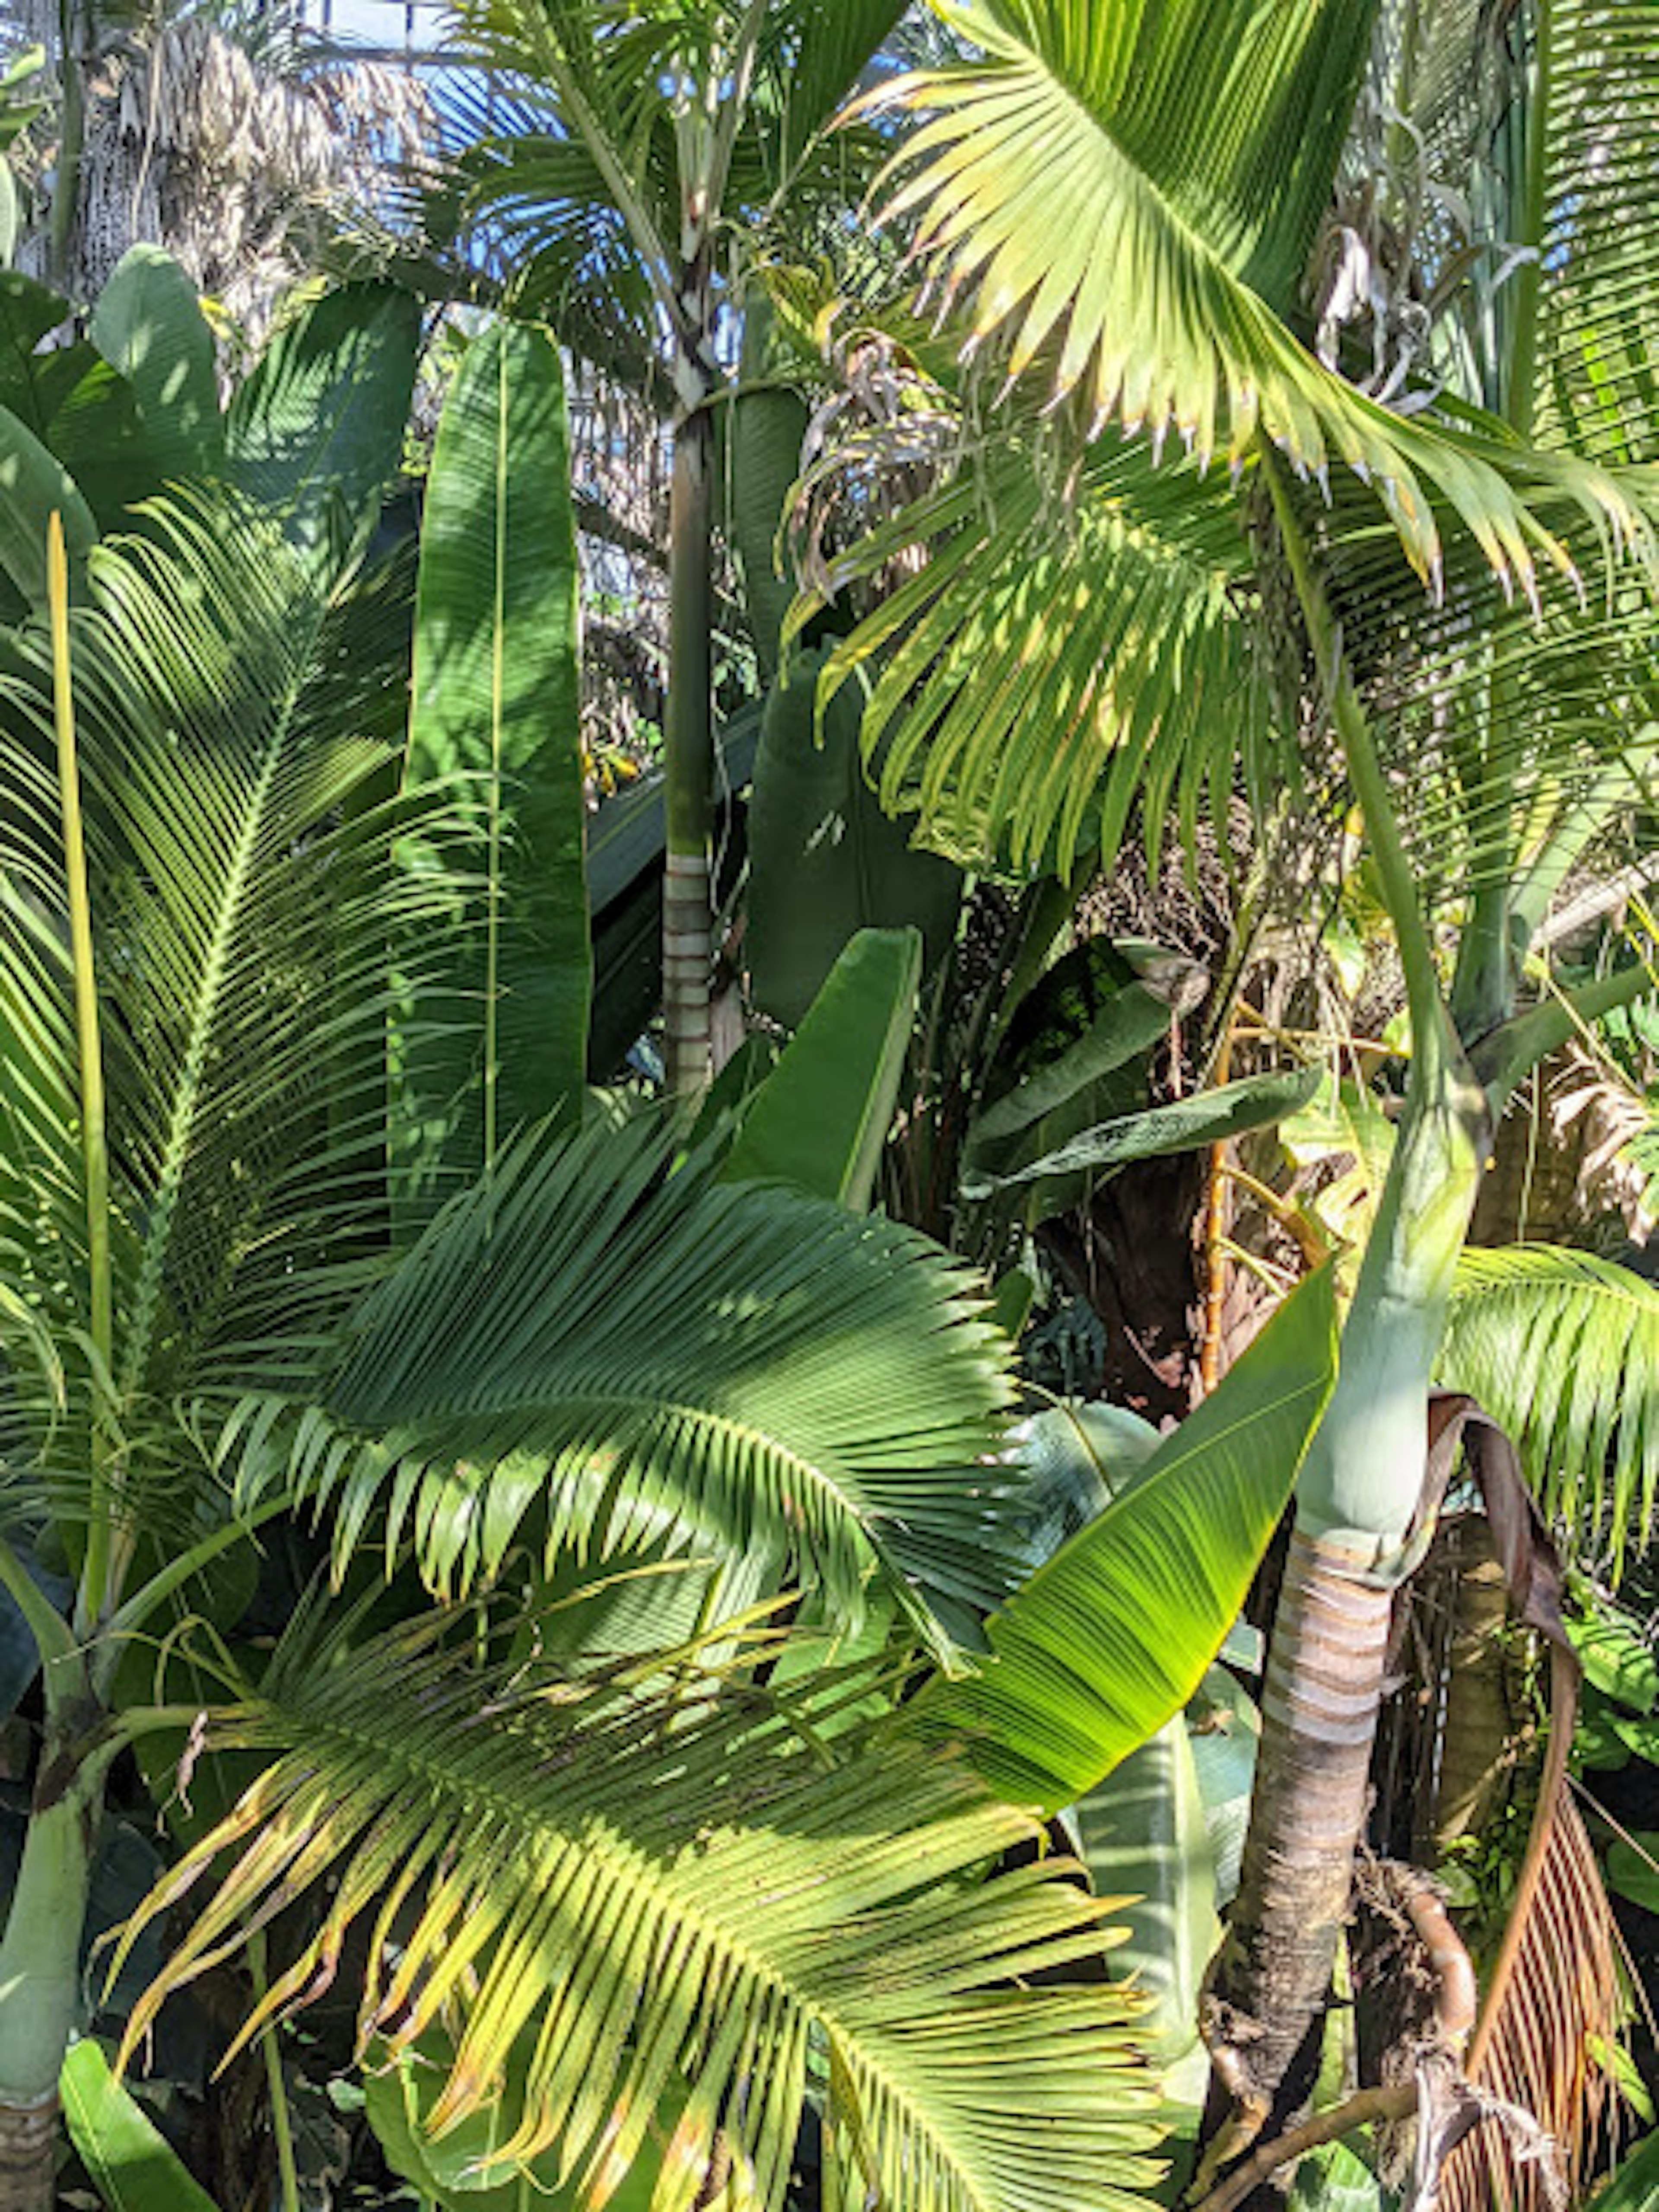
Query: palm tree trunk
(40, 1973)
(688, 731)
(1320, 1706)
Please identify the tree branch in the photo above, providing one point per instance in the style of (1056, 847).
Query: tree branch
(1360, 2111)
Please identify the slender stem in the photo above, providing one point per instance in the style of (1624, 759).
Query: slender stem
(282, 2129)
(1578, 822)
(1519, 395)
(734, 106)
(145, 1601)
(1395, 877)
(95, 1152)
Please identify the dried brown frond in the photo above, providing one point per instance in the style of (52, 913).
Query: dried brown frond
(1561, 2005)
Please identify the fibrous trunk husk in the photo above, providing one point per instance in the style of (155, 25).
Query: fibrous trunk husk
(1264, 2014)
(28, 2155)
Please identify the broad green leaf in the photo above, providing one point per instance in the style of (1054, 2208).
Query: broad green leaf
(1335, 2179)
(1109, 1640)
(1144, 1838)
(454, 2171)
(1130, 1024)
(34, 484)
(1634, 2186)
(1224, 1727)
(824, 861)
(769, 422)
(1255, 1101)
(149, 324)
(1343, 1116)
(1616, 1657)
(1077, 1457)
(494, 714)
(317, 430)
(820, 1119)
(133, 2167)
(1633, 1867)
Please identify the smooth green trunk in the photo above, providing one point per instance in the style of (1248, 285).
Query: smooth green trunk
(41, 1951)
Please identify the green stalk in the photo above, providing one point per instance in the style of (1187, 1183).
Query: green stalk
(1356, 1498)
(95, 1153)
(41, 1952)
(1487, 961)
(1510, 1054)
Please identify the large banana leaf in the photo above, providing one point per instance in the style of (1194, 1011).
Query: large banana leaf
(1254, 1101)
(798, 1378)
(148, 324)
(825, 862)
(645, 1902)
(495, 713)
(34, 485)
(1108, 1642)
(819, 1122)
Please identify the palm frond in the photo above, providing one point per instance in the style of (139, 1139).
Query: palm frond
(1598, 330)
(581, 1337)
(1559, 2017)
(244, 905)
(1059, 184)
(1561, 1348)
(629, 1900)
(1047, 661)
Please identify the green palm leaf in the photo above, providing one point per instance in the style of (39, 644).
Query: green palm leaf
(1108, 1640)
(1059, 184)
(629, 1903)
(581, 1338)
(1051, 659)
(243, 900)
(1561, 1348)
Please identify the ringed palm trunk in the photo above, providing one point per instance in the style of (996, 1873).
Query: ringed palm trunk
(689, 733)
(1357, 1499)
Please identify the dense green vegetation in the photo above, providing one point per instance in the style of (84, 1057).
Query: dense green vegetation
(851, 1480)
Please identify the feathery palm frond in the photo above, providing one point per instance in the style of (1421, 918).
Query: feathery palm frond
(1064, 183)
(243, 901)
(642, 1899)
(1053, 659)
(579, 1334)
(1598, 332)
(1561, 1348)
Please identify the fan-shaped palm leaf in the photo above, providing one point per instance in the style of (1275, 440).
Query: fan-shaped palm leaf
(1051, 659)
(1562, 1348)
(578, 1332)
(1062, 182)
(637, 1900)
